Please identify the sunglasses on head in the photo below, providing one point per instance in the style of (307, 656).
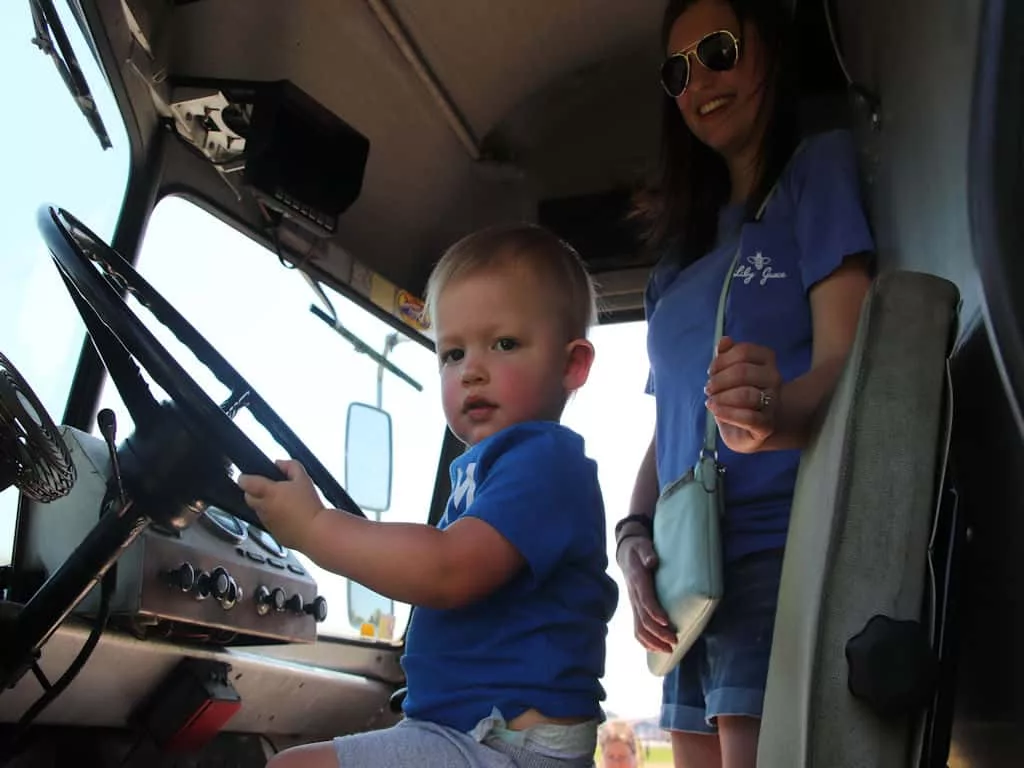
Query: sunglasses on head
(718, 51)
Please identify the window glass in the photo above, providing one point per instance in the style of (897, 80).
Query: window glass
(616, 419)
(48, 155)
(256, 313)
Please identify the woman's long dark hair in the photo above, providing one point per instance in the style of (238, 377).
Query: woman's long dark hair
(692, 182)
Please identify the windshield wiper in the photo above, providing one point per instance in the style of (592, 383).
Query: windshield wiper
(364, 348)
(46, 21)
(331, 318)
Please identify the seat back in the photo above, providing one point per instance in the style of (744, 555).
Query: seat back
(861, 523)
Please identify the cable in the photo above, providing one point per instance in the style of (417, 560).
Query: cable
(51, 692)
(269, 743)
(44, 681)
(835, 41)
(133, 750)
(55, 690)
(860, 91)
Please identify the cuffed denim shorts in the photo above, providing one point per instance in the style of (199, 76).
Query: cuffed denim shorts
(726, 670)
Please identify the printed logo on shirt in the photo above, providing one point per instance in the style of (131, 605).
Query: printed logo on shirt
(758, 268)
(465, 486)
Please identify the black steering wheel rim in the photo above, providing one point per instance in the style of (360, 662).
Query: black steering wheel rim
(77, 252)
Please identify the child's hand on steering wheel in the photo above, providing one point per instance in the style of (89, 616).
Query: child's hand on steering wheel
(287, 507)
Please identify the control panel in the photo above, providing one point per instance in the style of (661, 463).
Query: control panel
(219, 580)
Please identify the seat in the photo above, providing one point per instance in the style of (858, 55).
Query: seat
(844, 690)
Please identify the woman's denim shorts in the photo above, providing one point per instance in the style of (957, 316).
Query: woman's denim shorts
(726, 670)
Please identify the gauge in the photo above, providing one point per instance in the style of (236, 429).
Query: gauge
(268, 542)
(225, 525)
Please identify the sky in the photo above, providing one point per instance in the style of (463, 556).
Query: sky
(256, 313)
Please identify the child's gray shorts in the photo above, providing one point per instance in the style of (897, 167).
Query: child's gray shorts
(418, 743)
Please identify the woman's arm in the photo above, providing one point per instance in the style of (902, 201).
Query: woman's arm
(835, 311)
(638, 560)
(645, 487)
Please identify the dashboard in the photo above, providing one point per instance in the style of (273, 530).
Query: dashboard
(220, 580)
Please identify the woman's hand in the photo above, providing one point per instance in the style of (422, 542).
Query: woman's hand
(287, 507)
(651, 625)
(743, 389)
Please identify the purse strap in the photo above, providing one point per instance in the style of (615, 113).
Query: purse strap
(710, 448)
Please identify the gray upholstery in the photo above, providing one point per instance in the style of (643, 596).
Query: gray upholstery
(861, 521)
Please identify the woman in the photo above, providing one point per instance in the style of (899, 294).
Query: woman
(619, 745)
(729, 137)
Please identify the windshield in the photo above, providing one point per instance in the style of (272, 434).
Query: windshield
(48, 154)
(257, 313)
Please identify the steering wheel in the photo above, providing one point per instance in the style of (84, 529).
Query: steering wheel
(96, 276)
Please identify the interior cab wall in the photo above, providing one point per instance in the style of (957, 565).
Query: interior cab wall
(924, 61)
(919, 59)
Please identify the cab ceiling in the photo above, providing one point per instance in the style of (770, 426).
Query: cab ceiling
(480, 111)
(535, 100)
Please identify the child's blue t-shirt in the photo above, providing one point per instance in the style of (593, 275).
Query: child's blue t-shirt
(813, 221)
(538, 641)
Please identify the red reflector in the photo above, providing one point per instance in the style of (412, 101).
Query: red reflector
(204, 724)
(190, 706)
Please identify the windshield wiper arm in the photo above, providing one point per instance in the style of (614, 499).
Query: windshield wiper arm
(364, 348)
(46, 21)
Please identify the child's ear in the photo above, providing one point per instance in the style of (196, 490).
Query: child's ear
(579, 359)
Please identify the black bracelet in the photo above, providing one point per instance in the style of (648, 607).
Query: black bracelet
(644, 520)
(626, 537)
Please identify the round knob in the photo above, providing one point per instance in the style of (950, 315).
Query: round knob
(262, 598)
(203, 584)
(294, 603)
(270, 598)
(220, 583)
(892, 667)
(183, 577)
(317, 609)
(232, 597)
(278, 599)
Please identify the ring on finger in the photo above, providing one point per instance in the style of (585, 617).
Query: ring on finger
(765, 400)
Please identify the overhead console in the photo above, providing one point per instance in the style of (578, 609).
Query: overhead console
(274, 141)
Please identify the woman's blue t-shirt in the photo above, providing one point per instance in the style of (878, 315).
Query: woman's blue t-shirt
(814, 220)
(539, 640)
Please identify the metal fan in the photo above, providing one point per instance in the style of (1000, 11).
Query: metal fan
(33, 455)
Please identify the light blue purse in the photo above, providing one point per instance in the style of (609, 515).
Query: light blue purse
(686, 527)
(687, 536)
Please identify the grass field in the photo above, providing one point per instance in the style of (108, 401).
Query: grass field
(658, 756)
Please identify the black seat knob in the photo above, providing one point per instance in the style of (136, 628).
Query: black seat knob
(892, 667)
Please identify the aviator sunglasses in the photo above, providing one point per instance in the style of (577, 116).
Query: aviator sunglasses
(718, 51)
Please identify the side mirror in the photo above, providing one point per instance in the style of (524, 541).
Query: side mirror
(368, 457)
(371, 614)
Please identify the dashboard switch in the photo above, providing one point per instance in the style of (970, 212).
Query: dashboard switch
(220, 583)
(267, 599)
(317, 609)
(262, 598)
(203, 584)
(183, 577)
(295, 604)
(278, 599)
(233, 596)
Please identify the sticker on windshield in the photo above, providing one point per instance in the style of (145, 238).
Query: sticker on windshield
(410, 309)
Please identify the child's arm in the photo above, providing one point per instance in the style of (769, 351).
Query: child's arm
(413, 563)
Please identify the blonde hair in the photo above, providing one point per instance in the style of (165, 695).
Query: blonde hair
(619, 730)
(552, 259)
